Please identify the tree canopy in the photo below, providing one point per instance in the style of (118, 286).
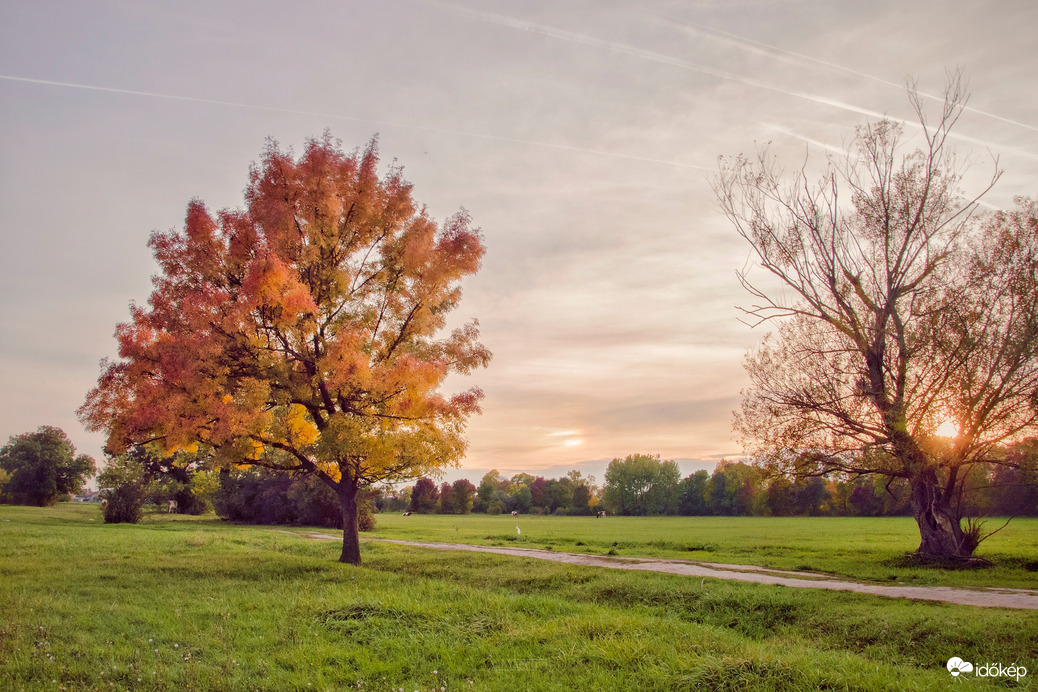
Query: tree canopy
(641, 485)
(42, 466)
(907, 335)
(305, 331)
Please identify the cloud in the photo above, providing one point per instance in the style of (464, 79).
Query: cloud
(795, 58)
(335, 116)
(652, 56)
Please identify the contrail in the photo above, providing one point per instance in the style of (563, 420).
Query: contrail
(333, 116)
(774, 51)
(624, 49)
(964, 138)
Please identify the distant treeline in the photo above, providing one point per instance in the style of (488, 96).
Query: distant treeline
(643, 485)
(637, 485)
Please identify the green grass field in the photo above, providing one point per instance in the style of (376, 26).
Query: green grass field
(855, 548)
(179, 603)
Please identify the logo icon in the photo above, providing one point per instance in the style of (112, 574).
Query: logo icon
(956, 666)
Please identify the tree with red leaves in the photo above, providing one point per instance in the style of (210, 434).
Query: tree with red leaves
(303, 332)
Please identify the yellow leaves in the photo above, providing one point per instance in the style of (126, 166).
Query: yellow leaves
(301, 430)
(191, 448)
(332, 469)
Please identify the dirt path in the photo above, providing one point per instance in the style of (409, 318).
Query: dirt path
(989, 598)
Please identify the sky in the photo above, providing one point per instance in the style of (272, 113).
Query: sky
(581, 135)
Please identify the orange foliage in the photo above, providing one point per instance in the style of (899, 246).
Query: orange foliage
(302, 331)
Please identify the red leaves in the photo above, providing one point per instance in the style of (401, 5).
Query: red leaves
(304, 324)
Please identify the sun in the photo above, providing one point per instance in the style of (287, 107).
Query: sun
(949, 428)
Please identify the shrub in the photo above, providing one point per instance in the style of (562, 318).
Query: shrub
(265, 496)
(125, 486)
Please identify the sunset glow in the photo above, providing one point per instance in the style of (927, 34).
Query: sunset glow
(581, 138)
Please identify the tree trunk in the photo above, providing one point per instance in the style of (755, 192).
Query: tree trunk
(347, 493)
(942, 538)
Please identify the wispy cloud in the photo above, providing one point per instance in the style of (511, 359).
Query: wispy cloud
(624, 49)
(769, 50)
(337, 116)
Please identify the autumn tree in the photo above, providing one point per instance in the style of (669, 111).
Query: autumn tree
(303, 332)
(424, 496)
(539, 492)
(42, 466)
(906, 326)
(446, 499)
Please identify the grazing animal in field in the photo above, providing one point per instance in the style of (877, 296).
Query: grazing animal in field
(600, 514)
(407, 514)
(171, 507)
(515, 514)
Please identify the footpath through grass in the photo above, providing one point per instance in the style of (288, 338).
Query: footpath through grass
(181, 603)
(859, 549)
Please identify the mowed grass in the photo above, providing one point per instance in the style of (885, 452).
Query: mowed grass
(860, 549)
(187, 603)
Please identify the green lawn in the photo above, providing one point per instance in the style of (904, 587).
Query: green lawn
(179, 603)
(856, 548)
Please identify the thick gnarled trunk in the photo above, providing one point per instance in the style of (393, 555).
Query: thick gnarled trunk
(941, 536)
(347, 493)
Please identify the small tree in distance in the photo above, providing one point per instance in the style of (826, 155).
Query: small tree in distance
(463, 494)
(42, 466)
(906, 343)
(303, 332)
(641, 485)
(424, 496)
(446, 504)
(126, 483)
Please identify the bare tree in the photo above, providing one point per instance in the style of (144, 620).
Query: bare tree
(905, 342)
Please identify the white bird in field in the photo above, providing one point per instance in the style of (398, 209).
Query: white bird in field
(518, 531)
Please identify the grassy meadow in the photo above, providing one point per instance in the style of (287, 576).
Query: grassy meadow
(179, 603)
(860, 549)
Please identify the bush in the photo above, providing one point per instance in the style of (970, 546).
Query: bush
(125, 486)
(265, 496)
